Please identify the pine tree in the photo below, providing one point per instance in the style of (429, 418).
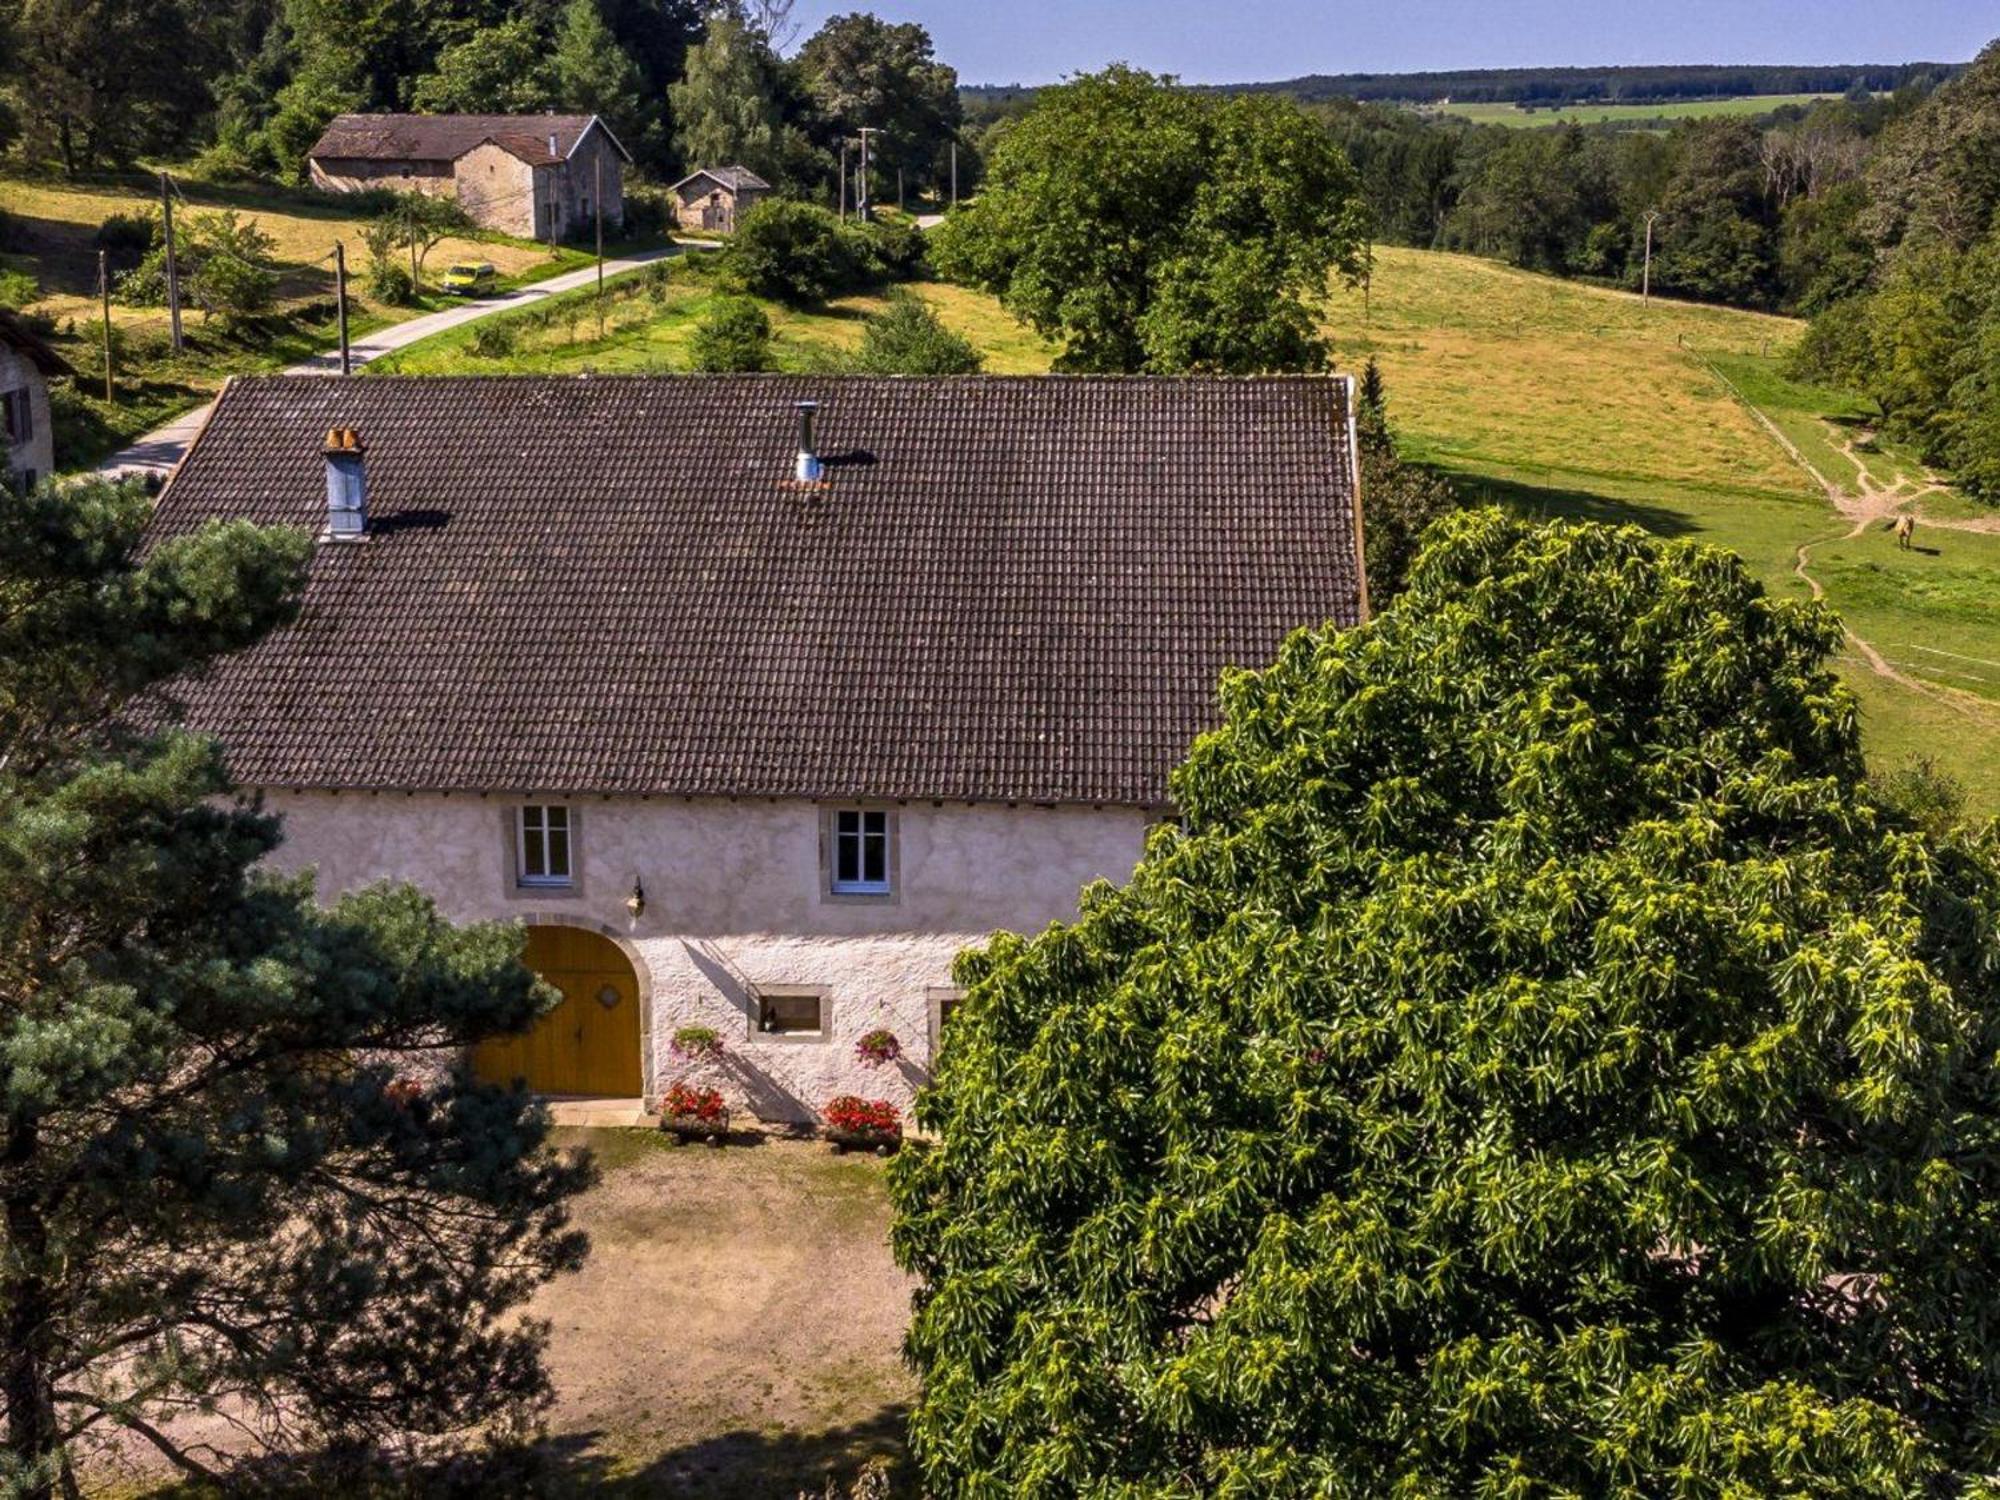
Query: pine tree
(594, 75)
(224, 1174)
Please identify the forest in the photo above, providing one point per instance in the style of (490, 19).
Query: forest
(244, 87)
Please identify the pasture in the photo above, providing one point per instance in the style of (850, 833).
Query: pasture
(1749, 106)
(1562, 399)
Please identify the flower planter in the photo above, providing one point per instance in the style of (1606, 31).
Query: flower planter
(688, 1128)
(691, 1114)
(881, 1142)
(852, 1124)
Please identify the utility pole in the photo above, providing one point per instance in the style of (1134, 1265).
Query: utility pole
(173, 277)
(104, 295)
(954, 174)
(1646, 283)
(843, 179)
(862, 204)
(340, 302)
(597, 202)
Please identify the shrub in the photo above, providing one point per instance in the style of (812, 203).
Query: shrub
(684, 1102)
(655, 280)
(906, 338)
(127, 237)
(859, 1116)
(696, 1044)
(494, 338)
(733, 337)
(896, 249)
(792, 252)
(18, 289)
(878, 1048)
(389, 281)
(648, 214)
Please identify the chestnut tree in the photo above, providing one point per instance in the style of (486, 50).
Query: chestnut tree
(1535, 1063)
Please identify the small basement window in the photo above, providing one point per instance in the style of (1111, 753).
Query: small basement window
(861, 852)
(791, 1013)
(546, 852)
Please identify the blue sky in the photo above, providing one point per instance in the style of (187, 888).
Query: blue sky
(1224, 41)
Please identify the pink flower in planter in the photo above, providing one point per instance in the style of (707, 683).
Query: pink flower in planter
(877, 1048)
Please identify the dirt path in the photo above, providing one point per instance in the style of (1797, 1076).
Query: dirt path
(1867, 504)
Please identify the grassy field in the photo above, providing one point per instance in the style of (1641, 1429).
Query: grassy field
(51, 227)
(1623, 114)
(647, 327)
(1561, 399)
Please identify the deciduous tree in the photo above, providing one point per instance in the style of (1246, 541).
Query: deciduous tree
(1532, 1063)
(1149, 228)
(215, 1189)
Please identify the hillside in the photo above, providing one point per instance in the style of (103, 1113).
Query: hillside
(51, 229)
(1562, 399)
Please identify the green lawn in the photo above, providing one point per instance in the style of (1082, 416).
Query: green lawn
(1605, 114)
(646, 328)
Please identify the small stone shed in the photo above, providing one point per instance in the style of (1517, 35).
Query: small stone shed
(715, 197)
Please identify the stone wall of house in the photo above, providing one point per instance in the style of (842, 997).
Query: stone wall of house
(574, 185)
(36, 455)
(736, 899)
(499, 191)
(334, 174)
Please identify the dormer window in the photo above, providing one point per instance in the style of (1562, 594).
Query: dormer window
(546, 847)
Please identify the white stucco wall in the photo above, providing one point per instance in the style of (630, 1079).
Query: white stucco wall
(735, 892)
(37, 454)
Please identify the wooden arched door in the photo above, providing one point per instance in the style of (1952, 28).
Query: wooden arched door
(589, 1044)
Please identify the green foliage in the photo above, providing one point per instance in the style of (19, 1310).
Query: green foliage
(725, 108)
(733, 337)
(1399, 499)
(906, 338)
(861, 70)
(416, 223)
(390, 281)
(100, 81)
(594, 75)
(493, 338)
(499, 69)
(224, 263)
(795, 252)
(1148, 228)
(1533, 1064)
(18, 289)
(217, 1188)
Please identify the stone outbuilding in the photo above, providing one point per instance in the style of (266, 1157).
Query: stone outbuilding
(758, 698)
(535, 176)
(715, 198)
(27, 365)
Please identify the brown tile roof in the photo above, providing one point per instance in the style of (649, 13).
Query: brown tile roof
(1008, 589)
(736, 179)
(448, 137)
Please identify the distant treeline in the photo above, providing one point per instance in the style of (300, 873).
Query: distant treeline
(1555, 87)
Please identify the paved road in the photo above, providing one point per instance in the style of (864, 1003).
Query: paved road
(159, 450)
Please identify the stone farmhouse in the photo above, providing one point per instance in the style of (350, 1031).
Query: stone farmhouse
(758, 697)
(535, 176)
(27, 364)
(715, 197)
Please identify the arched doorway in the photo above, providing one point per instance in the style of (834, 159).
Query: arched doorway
(589, 1044)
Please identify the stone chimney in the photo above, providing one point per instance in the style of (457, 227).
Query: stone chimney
(346, 485)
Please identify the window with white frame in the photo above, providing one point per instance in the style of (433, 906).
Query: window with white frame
(861, 852)
(546, 846)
